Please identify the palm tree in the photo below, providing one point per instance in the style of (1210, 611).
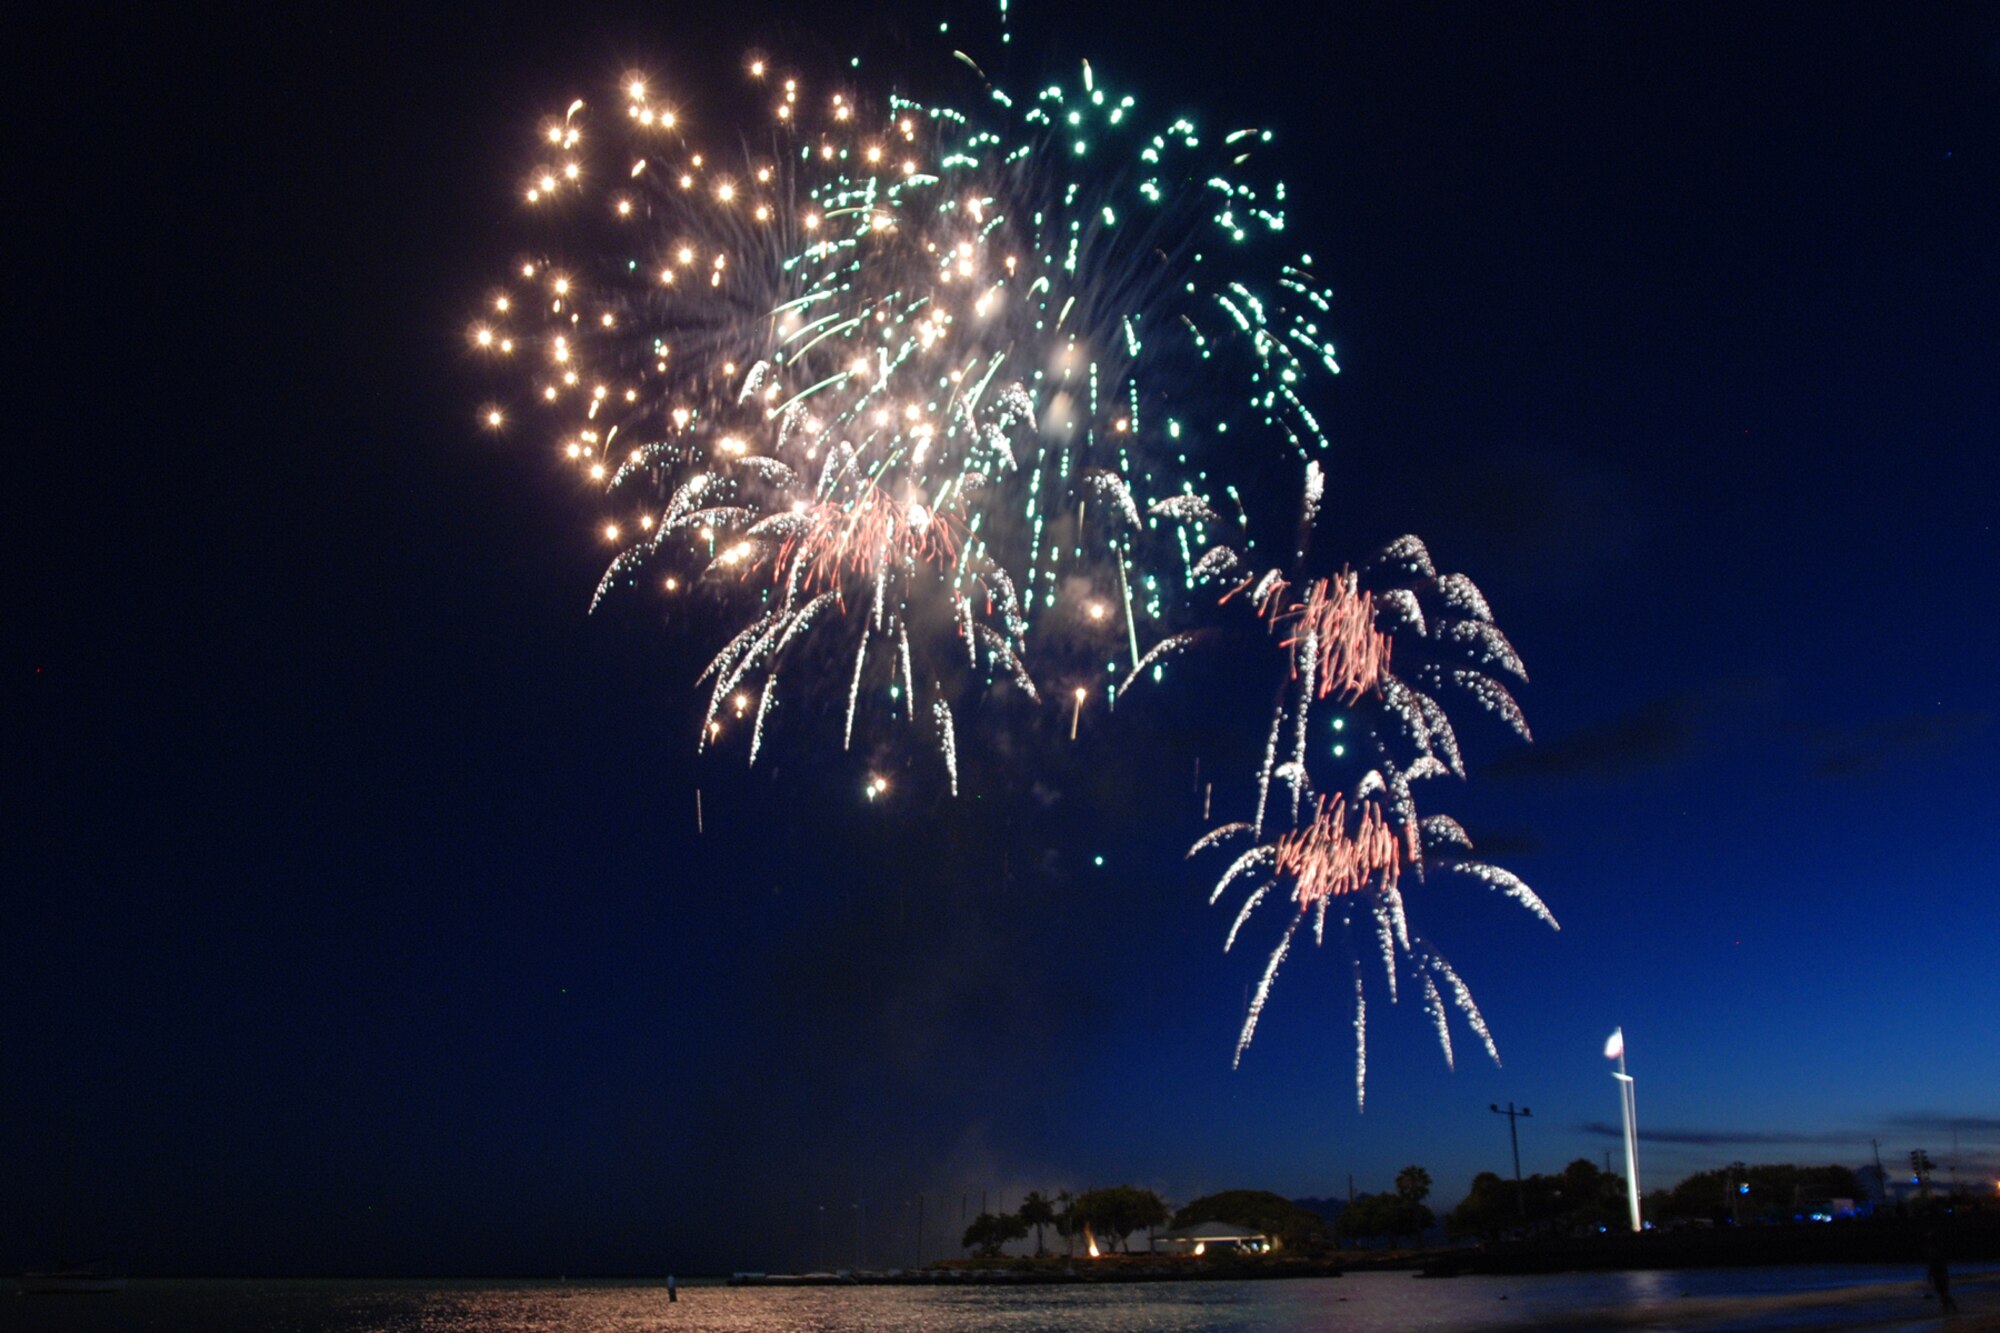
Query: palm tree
(1037, 1212)
(1413, 1183)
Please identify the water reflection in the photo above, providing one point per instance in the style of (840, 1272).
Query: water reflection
(1745, 1299)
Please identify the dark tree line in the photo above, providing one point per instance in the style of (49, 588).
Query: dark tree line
(1108, 1216)
(1737, 1193)
(1391, 1216)
(1578, 1198)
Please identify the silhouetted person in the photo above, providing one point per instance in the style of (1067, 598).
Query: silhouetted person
(673, 1292)
(1938, 1273)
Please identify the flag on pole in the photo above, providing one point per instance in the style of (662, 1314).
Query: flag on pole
(1615, 1047)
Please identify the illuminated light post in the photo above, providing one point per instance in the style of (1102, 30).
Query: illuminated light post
(1077, 716)
(1614, 1049)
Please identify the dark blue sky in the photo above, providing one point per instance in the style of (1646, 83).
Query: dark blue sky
(357, 920)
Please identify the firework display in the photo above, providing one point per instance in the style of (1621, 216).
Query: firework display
(933, 410)
(896, 386)
(1345, 853)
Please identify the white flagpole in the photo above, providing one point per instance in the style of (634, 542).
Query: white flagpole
(1628, 1103)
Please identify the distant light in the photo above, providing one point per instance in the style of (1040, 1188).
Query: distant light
(1098, 860)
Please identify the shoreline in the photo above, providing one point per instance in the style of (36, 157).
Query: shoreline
(1897, 1242)
(1088, 1272)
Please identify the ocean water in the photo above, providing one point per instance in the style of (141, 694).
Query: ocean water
(1747, 1299)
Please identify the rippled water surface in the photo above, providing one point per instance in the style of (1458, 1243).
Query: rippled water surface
(1791, 1298)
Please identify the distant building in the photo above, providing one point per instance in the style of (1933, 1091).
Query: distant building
(1824, 1210)
(1210, 1238)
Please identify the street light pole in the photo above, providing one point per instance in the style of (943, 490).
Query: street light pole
(1513, 1134)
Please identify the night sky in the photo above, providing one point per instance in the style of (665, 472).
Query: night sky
(357, 920)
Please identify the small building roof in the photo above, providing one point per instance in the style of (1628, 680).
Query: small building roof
(1211, 1231)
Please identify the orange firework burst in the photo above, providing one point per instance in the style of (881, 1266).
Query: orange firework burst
(862, 536)
(1339, 621)
(1326, 861)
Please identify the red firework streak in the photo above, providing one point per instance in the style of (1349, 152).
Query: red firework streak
(1326, 861)
(1353, 654)
(860, 537)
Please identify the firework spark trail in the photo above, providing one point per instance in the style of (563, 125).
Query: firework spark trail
(949, 740)
(1270, 765)
(1216, 836)
(1154, 655)
(854, 694)
(1386, 942)
(1308, 659)
(1243, 865)
(1434, 1006)
(1249, 906)
(1360, 1044)
(890, 350)
(764, 701)
(1263, 992)
(1315, 490)
(1462, 995)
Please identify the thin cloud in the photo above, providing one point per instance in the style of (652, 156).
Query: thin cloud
(1934, 1122)
(1972, 1130)
(1856, 752)
(1506, 842)
(1717, 1137)
(1654, 735)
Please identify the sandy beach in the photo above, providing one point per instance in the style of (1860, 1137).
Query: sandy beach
(1977, 1296)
